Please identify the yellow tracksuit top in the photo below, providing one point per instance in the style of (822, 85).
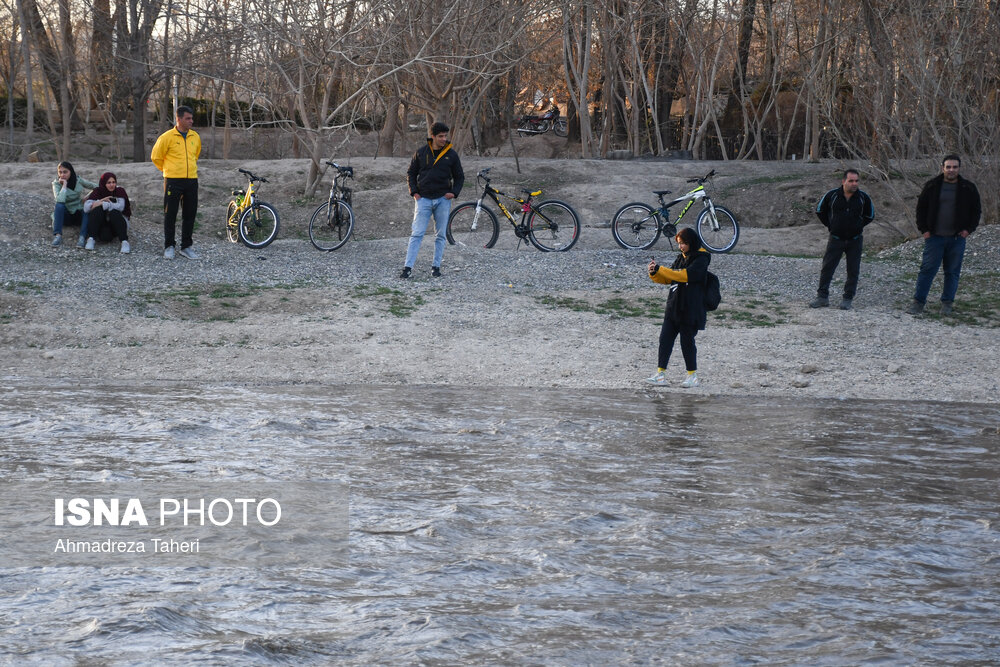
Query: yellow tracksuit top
(176, 155)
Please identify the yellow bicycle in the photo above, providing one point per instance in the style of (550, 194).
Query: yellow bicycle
(255, 223)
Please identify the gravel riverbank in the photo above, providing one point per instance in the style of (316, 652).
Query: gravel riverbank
(503, 317)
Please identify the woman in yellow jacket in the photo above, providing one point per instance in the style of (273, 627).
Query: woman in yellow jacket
(685, 312)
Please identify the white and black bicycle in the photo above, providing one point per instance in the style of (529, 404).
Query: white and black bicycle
(638, 226)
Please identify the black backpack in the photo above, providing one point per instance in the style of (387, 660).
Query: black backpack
(713, 292)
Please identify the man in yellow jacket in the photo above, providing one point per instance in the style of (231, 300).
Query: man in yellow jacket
(175, 153)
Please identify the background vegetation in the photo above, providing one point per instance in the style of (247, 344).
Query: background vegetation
(876, 81)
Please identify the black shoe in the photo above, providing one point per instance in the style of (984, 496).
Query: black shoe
(819, 302)
(406, 273)
(947, 307)
(436, 271)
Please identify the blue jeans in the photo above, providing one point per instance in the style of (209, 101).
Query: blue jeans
(423, 210)
(62, 216)
(948, 250)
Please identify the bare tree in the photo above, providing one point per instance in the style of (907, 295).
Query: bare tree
(134, 22)
(577, 32)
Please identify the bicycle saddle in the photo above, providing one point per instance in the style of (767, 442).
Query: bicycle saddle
(661, 192)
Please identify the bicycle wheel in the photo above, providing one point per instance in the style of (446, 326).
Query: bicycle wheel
(553, 226)
(232, 221)
(330, 229)
(472, 226)
(561, 128)
(259, 225)
(719, 233)
(636, 226)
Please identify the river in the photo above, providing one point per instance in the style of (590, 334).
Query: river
(539, 526)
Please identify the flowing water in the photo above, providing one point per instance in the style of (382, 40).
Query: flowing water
(509, 526)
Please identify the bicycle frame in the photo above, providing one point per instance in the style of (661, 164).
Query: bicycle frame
(691, 197)
(338, 191)
(249, 196)
(495, 194)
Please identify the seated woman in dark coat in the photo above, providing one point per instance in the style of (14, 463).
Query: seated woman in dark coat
(109, 211)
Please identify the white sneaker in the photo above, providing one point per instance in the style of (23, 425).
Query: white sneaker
(168, 253)
(659, 378)
(90, 243)
(57, 240)
(126, 248)
(189, 253)
(691, 381)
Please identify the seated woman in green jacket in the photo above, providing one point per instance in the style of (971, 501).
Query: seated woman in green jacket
(68, 189)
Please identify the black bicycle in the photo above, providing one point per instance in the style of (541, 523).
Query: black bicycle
(638, 226)
(333, 221)
(551, 226)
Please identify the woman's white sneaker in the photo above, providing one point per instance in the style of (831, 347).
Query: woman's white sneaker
(691, 380)
(659, 378)
(126, 248)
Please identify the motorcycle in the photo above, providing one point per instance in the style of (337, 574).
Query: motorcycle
(542, 124)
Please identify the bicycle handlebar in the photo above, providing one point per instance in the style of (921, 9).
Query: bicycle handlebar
(702, 180)
(346, 171)
(251, 176)
(484, 173)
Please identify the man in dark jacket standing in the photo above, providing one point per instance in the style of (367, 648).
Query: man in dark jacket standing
(844, 211)
(948, 210)
(435, 177)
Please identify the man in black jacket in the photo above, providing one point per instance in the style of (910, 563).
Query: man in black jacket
(435, 177)
(948, 210)
(844, 211)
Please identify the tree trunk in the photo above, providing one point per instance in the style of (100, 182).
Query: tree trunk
(139, 127)
(884, 93)
(49, 56)
(69, 101)
(387, 135)
(29, 84)
(11, 75)
(732, 117)
(576, 66)
(101, 50)
(819, 88)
